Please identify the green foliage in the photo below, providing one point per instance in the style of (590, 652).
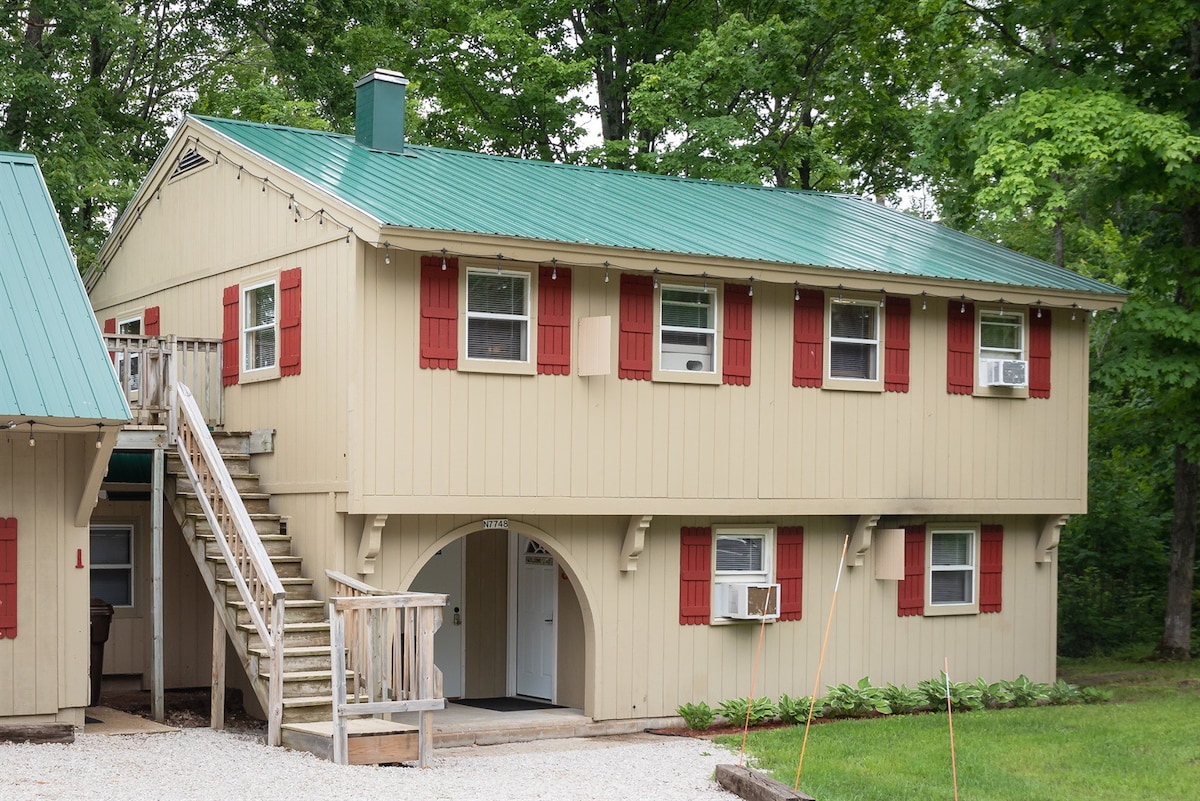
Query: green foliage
(855, 701)
(1062, 693)
(964, 696)
(1025, 692)
(760, 710)
(994, 695)
(697, 717)
(1095, 695)
(903, 700)
(796, 710)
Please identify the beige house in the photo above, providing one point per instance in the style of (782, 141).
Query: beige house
(60, 410)
(617, 418)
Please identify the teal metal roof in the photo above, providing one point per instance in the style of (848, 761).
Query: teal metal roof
(445, 190)
(52, 360)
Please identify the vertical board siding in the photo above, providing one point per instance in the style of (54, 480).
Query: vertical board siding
(960, 348)
(636, 342)
(736, 337)
(554, 321)
(808, 338)
(896, 341)
(1039, 352)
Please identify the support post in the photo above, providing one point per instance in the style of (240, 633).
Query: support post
(431, 621)
(337, 652)
(217, 712)
(156, 587)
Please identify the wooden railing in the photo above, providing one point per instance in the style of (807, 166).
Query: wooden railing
(384, 641)
(148, 367)
(243, 551)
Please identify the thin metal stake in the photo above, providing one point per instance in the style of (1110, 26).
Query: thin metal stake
(812, 701)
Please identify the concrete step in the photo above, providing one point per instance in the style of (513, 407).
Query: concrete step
(298, 589)
(285, 566)
(256, 503)
(315, 633)
(273, 544)
(293, 612)
(298, 658)
(263, 524)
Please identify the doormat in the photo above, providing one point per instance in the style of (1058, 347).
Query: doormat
(91, 720)
(506, 704)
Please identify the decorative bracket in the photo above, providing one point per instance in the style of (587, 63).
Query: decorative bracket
(635, 541)
(1048, 541)
(860, 540)
(370, 542)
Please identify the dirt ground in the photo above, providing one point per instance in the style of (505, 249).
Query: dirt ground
(185, 709)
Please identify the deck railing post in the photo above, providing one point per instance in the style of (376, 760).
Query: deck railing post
(337, 664)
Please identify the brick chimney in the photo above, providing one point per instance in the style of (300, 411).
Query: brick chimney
(379, 111)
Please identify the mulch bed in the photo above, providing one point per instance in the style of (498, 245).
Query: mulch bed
(184, 709)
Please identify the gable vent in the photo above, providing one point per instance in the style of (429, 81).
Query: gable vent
(189, 161)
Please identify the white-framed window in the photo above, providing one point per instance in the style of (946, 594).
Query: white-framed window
(687, 329)
(130, 327)
(853, 339)
(743, 555)
(498, 315)
(1002, 348)
(111, 547)
(260, 326)
(953, 569)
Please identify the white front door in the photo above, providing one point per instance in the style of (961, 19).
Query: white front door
(444, 573)
(537, 600)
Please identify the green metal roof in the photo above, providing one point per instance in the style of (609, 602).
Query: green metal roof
(52, 360)
(445, 190)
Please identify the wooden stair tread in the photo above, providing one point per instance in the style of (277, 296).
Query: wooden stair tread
(354, 726)
(291, 603)
(282, 580)
(292, 650)
(293, 627)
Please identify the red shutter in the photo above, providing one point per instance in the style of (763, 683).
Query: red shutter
(230, 365)
(695, 575)
(554, 321)
(991, 565)
(439, 313)
(8, 577)
(895, 346)
(789, 571)
(289, 322)
(910, 593)
(110, 325)
(960, 348)
(150, 326)
(636, 342)
(739, 323)
(1039, 353)
(808, 348)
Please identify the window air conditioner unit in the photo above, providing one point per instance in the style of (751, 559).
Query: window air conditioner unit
(746, 601)
(1005, 372)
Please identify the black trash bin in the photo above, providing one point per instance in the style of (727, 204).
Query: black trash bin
(102, 615)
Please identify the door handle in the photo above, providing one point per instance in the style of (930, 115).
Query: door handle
(549, 620)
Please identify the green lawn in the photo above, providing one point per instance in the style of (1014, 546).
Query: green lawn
(1145, 744)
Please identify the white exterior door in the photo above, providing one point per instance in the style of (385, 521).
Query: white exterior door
(444, 573)
(537, 600)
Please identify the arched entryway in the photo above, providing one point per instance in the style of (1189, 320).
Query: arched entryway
(517, 622)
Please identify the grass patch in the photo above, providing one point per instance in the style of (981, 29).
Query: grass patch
(1145, 744)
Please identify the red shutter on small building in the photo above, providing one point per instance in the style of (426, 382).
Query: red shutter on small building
(739, 323)
(231, 332)
(8, 577)
(897, 316)
(910, 592)
(289, 322)
(991, 567)
(1039, 353)
(554, 321)
(110, 325)
(789, 571)
(635, 346)
(695, 575)
(960, 348)
(150, 324)
(439, 313)
(808, 348)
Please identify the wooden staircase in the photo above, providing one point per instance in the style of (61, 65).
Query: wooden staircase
(307, 682)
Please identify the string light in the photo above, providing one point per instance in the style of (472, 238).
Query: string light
(656, 278)
(1039, 307)
(750, 293)
(605, 271)
(387, 253)
(923, 302)
(962, 306)
(31, 441)
(99, 436)
(1074, 307)
(264, 185)
(882, 298)
(443, 259)
(797, 290)
(554, 269)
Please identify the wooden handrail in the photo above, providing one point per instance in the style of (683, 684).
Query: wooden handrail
(348, 587)
(251, 569)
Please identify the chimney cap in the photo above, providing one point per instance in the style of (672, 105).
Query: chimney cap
(391, 76)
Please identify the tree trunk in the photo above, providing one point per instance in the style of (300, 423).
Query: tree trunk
(1177, 630)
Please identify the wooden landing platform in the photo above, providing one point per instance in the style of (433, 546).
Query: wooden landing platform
(370, 741)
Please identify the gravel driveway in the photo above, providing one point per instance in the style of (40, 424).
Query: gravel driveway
(203, 764)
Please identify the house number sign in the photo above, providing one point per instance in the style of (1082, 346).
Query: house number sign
(499, 522)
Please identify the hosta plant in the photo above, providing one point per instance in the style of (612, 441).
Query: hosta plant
(1025, 692)
(697, 717)
(795, 710)
(903, 700)
(760, 710)
(964, 696)
(854, 701)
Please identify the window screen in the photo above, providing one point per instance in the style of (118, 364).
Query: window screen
(498, 316)
(742, 554)
(259, 327)
(854, 340)
(952, 568)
